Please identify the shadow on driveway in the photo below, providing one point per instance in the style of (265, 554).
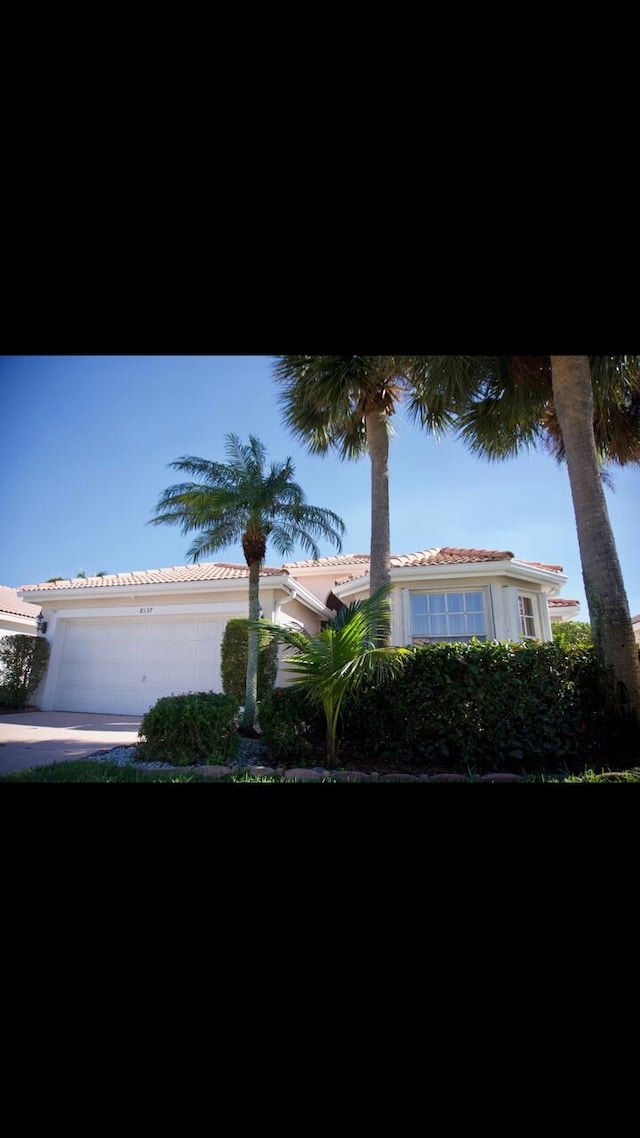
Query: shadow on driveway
(35, 738)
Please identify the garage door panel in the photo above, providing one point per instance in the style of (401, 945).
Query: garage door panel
(207, 651)
(181, 653)
(203, 628)
(104, 661)
(159, 629)
(181, 679)
(204, 679)
(159, 651)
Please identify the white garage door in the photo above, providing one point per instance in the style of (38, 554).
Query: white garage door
(123, 666)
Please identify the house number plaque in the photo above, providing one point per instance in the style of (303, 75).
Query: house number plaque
(150, 609)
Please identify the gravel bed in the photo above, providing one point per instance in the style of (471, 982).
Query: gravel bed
(252, 752)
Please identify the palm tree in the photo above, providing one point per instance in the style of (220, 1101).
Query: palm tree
(347, 403)
(586, 410)
(245, 499)
(336, 659)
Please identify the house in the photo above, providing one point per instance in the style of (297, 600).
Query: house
(17, 616)
(120, 642)
(561, 609)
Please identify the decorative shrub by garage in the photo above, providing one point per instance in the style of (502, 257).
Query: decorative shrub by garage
(191, 729)
(234, 655)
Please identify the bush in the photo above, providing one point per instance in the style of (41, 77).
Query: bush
(234, 655)
(196, 728)
(291, 725)
(566, 633)
(23, 663)
(491, 706)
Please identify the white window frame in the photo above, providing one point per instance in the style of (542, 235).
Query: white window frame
(528, 620)
(418, 638)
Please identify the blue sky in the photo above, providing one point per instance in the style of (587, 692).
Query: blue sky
(86, 443)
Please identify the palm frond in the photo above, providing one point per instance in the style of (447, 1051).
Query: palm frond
(325, 399)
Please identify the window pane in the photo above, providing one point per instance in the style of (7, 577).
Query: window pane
(457, 624)
(420, 625)
(437, 602)
(438, 626)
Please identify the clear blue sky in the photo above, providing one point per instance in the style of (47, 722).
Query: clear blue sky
(86, 443)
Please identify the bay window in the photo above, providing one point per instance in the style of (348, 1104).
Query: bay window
(452, 616)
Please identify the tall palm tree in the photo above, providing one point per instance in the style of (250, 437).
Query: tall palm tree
(336, 659)
(586, 410)
(346, 403)
(249, 500)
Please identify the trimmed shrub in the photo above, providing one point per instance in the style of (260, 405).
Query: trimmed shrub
(196, 728)
(491, 706)
(23, 663)
(233, 663)
(291, 724)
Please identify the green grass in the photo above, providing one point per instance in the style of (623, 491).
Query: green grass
(84, 770)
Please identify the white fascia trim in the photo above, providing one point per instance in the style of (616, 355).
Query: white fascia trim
(551, 577)
(15, 618)
(300, 593)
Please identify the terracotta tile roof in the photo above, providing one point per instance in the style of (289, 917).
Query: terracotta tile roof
(446, 555)
(219, 571)
(339, 559)
(541, 565)
(438, 555)
(207, 571)
(560, 602)
(10, 603)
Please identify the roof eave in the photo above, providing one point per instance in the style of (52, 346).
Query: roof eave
(94, 592)
(460, 571)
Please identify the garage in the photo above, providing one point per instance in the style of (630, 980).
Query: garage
(123, 666)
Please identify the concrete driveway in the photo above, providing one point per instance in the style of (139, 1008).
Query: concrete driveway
(35, 738)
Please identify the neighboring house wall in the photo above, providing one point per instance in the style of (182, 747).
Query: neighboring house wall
(561, 609)
(635, 621)
(11, 626)
(16, 615)
(17, 618)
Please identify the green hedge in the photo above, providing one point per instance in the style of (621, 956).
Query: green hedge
(519, 707)
(233, 663)
(196, 728)
(493, 706)
(290, 725)
(23, 663)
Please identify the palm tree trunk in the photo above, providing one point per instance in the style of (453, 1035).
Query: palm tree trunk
(251, 689)
(615, 648)
(380, 561)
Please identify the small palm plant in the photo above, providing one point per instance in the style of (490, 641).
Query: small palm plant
(335, 660)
